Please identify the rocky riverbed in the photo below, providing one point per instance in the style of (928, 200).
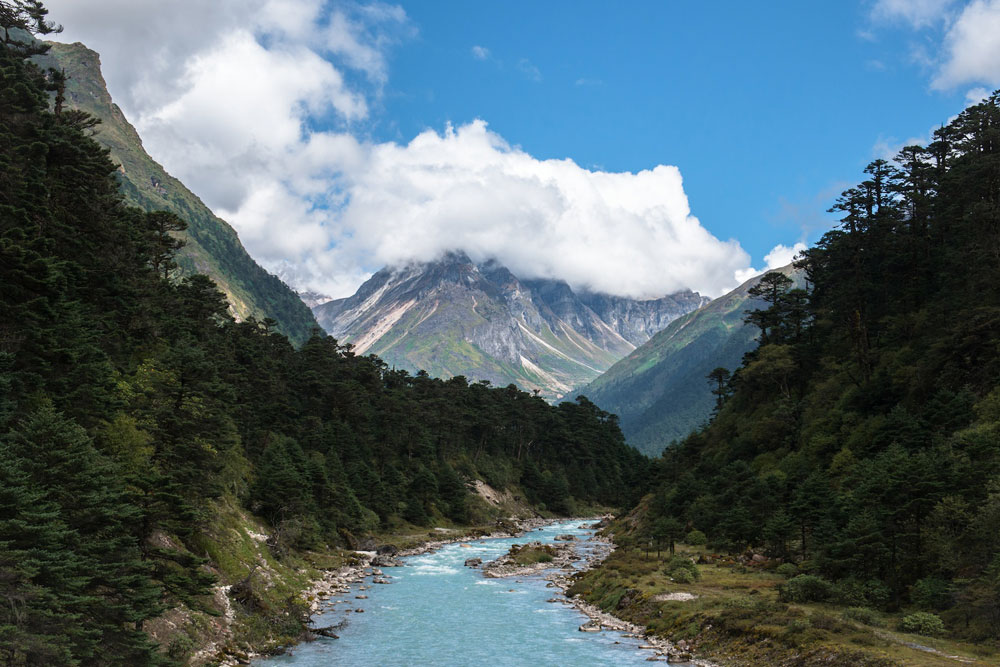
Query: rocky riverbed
(440, 597)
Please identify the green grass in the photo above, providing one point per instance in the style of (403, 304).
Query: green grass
(738, 617)
(530, 554)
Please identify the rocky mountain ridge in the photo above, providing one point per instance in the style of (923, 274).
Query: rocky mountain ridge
(458, 317)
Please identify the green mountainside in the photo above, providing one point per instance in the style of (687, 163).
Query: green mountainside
(660, 391)
(211, 245)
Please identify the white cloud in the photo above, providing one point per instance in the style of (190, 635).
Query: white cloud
(918, 13)
(972, 45)
(229, 99)
(468, 189)
(780, 255)
(887, 148)
(976, 95)
(480, 52)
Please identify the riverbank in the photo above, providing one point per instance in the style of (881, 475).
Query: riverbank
(729, 613)
(662, 648)
(324, 576)
(567, 565)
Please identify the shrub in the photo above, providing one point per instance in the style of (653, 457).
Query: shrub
(787, 570)
(682, 570)
(922, 623)
(805, 588)
(864, 615)
(696, 538)
(855, 593)
(682, 576)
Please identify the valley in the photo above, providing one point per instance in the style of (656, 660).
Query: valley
(203, 465)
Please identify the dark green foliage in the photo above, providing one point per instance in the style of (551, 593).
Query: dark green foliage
(922, 623)
(805, 588)
(660, 390)
(84, 585)
(682, 569)
(864, 615)
(861, 439)
(130, 398)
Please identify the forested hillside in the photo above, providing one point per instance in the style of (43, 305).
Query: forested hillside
(861, 440)
(661, 392)
(211, 245)
(131, 402)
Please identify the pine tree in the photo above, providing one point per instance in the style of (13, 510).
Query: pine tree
(113, 592)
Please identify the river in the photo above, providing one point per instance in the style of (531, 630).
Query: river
(436, 611)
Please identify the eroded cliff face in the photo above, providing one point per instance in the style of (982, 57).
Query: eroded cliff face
(456, 317)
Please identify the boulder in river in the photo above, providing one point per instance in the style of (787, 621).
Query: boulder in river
(386, 561)
(473, 562)
(566, 538)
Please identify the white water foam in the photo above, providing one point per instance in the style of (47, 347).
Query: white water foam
(434, 570)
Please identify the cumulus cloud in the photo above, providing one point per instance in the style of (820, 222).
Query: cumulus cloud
(259, 106)
(466, 188)
(147, 45)
(480, 52)
(780, 255)
(976, 95)
(969, 50)
(972, 47)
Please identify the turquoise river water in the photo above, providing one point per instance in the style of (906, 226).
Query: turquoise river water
(436, 611)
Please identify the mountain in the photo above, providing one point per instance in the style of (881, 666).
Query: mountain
(455, 317)
(659, 391)
(212, 246)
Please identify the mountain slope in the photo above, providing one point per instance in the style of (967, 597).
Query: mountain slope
(454, 317)
(659, 391)
(212, 246)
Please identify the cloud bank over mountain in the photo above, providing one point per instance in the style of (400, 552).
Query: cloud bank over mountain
(261, 108)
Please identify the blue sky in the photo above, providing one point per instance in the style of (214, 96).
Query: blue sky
(633, 149)
(769, 111)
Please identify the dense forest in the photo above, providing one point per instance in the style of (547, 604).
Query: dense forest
(129, 398)
(861, 440)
